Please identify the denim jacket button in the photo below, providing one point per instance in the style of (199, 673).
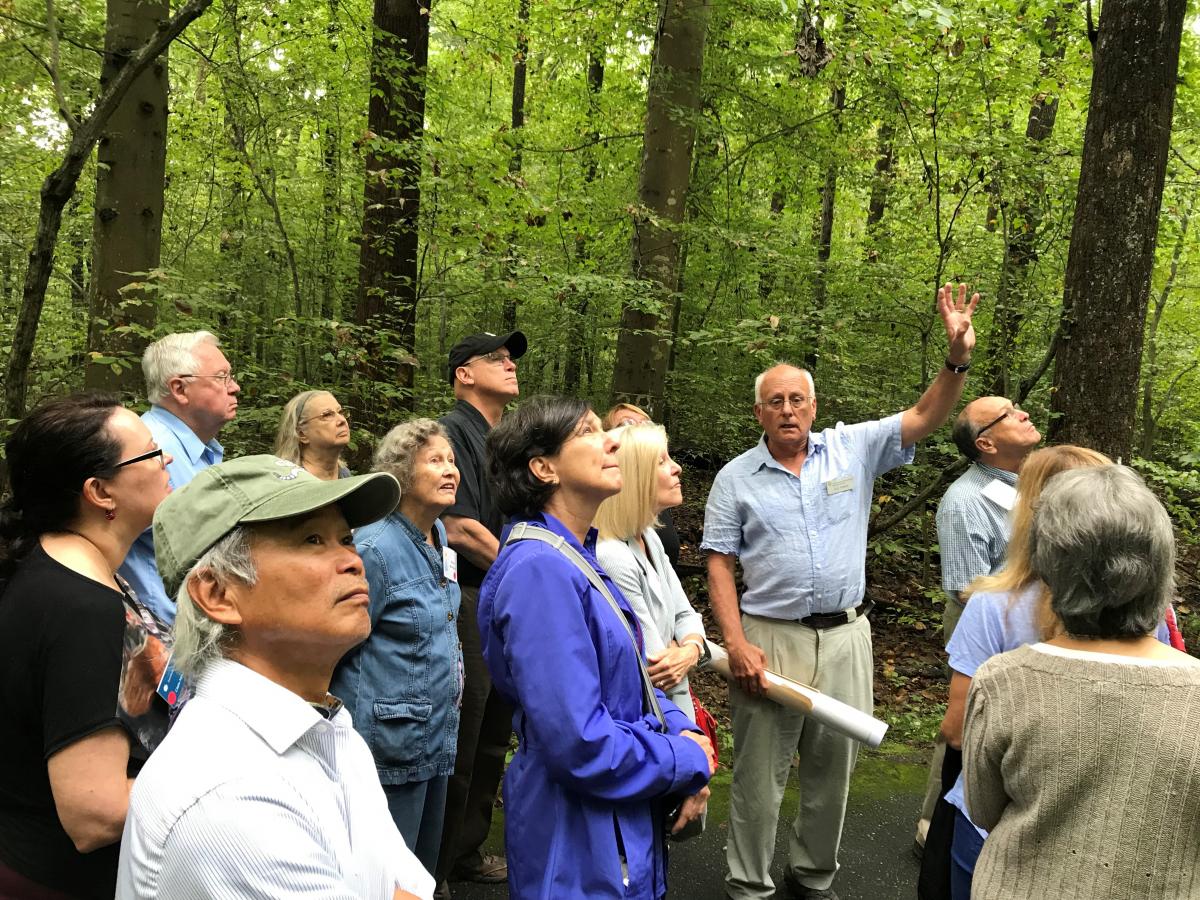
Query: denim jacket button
(449, 617)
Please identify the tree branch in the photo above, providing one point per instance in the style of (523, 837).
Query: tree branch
(52, 27)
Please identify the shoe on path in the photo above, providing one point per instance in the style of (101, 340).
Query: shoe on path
(491, 870)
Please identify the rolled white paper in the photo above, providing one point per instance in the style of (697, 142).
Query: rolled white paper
(794, 695)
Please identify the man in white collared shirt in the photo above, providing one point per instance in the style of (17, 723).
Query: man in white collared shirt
(263, 789)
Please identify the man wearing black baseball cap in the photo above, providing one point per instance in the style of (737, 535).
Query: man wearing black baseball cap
(483, 370)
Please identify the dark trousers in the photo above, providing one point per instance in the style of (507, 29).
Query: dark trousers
(484, 732)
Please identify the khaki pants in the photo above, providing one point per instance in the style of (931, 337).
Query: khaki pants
(838, 662)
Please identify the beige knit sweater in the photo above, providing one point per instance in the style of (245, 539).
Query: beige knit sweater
(1087, 774)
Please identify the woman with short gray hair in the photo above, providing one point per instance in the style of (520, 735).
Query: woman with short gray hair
(1085, 745)
(403, 685)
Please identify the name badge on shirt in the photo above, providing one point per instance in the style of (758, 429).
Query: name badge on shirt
(170, 686)
(839, 485)
(1003, 495)
(450, 564)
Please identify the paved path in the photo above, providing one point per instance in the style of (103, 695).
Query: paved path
(876, 855)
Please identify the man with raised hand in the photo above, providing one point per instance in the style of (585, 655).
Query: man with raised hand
(193, 395)
(794, 511)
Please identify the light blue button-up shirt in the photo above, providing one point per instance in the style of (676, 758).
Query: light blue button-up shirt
(802, 540)
(191, 455)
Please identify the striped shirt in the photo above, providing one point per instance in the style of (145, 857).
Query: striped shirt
(254, 794)
(972, 529)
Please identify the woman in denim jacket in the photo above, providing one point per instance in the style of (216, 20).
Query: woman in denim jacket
(403, 685)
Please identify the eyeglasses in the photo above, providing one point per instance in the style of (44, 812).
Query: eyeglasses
(1011, 411)
(496, 356)
(776, 403)
(328, 417)
(157, 451)
(224, 377)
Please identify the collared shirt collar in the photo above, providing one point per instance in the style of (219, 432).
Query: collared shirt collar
(816, 445)
(992, 472)
(276, 714)
(192, 445)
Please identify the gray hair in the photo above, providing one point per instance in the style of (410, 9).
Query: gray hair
(398, 449)
(1104, 546)
(170, 356)
(199, 641)
(812, 387)
(287, 439)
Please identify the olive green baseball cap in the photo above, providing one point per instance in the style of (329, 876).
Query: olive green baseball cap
(254, 489)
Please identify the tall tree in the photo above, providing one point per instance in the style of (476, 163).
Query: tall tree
(131, 162)
(1107, 282)
(517, 124)
(672, 107)
(388, 285)
(58, 188)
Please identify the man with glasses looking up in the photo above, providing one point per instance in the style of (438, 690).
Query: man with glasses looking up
(483, 370)
(193, 394)
(794, 511)
(973, 524)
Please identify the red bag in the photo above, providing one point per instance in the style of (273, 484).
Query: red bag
(706, 723)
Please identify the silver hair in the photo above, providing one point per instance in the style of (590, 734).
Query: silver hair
(199, 641)
(1104, 546)
(812, 387)
(170, 356)
(398, 448)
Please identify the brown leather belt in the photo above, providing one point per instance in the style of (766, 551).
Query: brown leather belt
(843, 617)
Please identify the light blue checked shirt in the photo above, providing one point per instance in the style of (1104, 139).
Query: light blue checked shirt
(802, 540)
(254, 795)
(191, 455)
(973, 530)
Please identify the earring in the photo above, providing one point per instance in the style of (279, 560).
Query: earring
(110, 514)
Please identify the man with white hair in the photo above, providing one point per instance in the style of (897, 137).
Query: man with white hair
(794, 511)
(262, 788)
(193, 394)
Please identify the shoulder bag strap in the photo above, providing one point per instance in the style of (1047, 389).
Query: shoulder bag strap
(523, 531)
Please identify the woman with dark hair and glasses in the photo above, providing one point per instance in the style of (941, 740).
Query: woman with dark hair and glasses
(313, 432)
(587, 792)
(81, 661)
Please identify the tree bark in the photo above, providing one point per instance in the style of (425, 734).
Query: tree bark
(517, 123)
(881, 184)
(768, 271)
(388, 284)
(57, 190)
(131, 164)
(1111, 257)
(824, 240)
(672, 105)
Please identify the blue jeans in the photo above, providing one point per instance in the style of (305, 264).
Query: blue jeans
(964, 851)
(418, 809)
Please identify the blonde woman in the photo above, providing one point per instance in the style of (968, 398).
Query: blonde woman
(1004, 611)
(313, 432)
(632, 554)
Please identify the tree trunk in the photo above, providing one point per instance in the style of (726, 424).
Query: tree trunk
(1149, 417)
(1021, 238)
(823, 232)
(57, 190)
(881, 184)
(578, 300)
(768, 272)
(131, 162)
(520, 69)
(672, 106)
(1125, 148)
(388, 286)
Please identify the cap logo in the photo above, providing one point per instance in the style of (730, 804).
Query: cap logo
(293, 470)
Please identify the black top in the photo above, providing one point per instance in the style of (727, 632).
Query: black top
(669, 537)
(468, 431)
(61, 638)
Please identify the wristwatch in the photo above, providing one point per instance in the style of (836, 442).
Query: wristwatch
(957, 370)
(705, 653)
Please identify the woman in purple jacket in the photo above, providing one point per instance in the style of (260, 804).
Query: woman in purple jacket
(587, 793)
